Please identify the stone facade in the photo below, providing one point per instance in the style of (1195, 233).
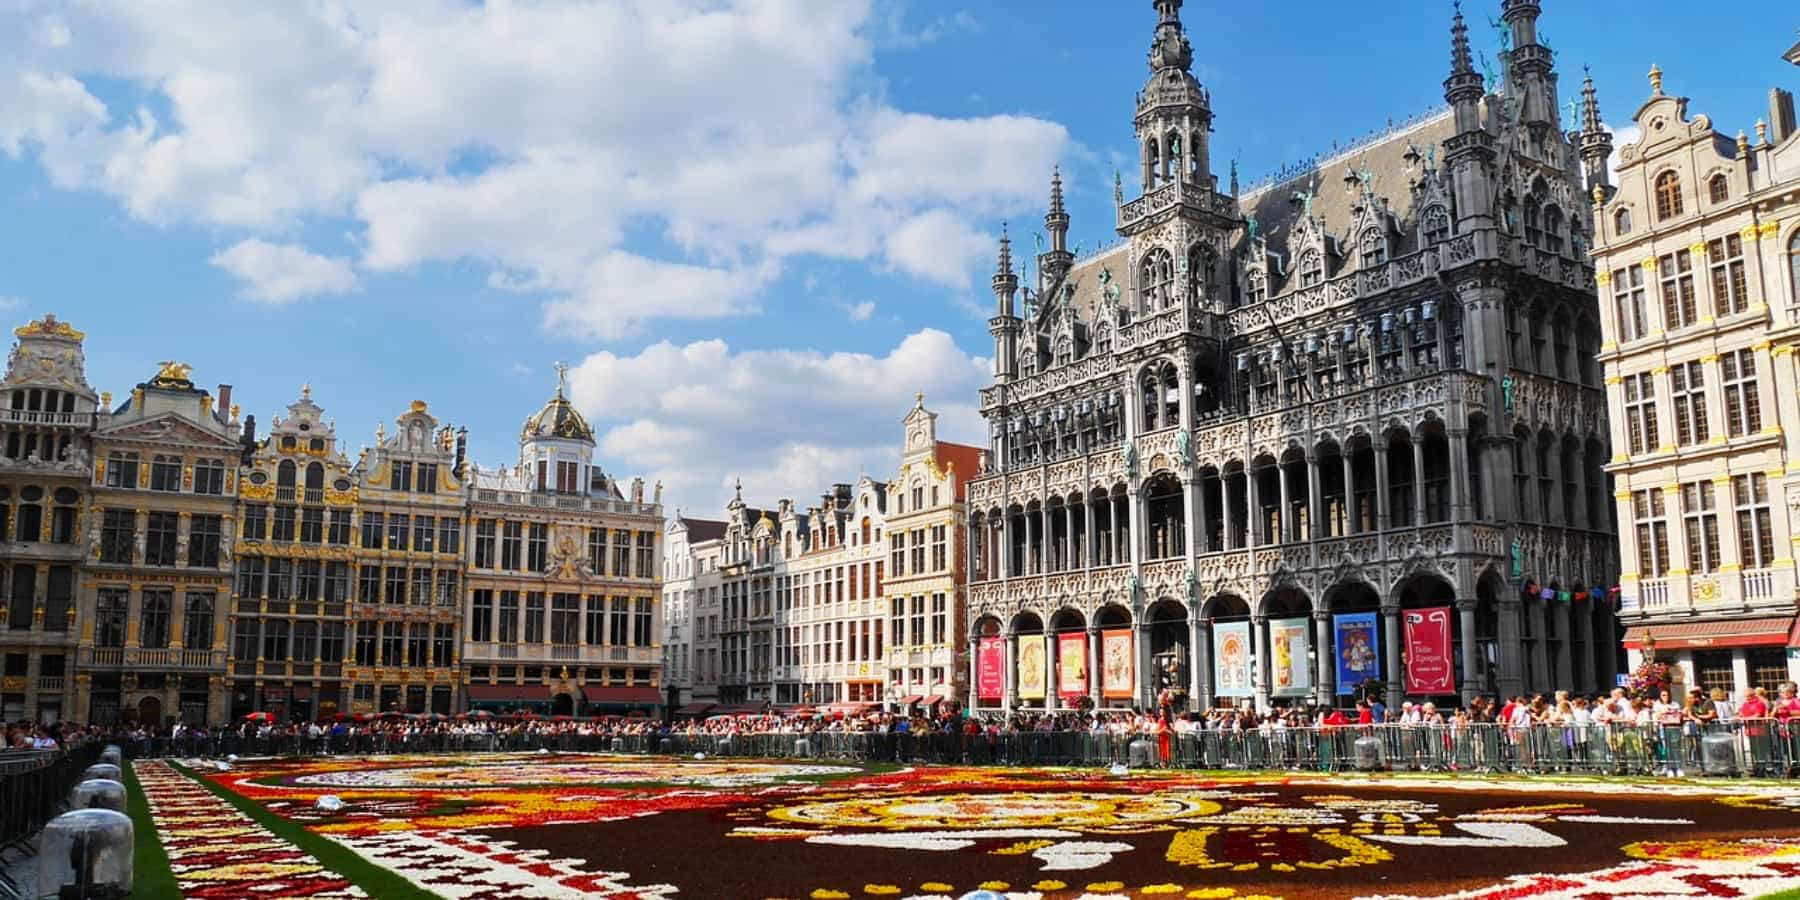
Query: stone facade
(692, 551)
(564, 582)
(46, 412)
(1698, 256)
(161, 541)
(1288, 403)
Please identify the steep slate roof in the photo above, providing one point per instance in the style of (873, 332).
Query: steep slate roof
(703, 529)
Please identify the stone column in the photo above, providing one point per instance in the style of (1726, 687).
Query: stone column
(1315, 493)
(1010, 701)
(1555, 514)
(1253, 512)
(1471, 668)
(1145, 683)
(1005, 546)
(1325, 670)
(1395, 676)
(1565, 676)
(1584, 639)
(1418, 454)
(1034, 558)
(1093, 655)
(1581, 490)
(1350, 526)
(1462, 507)
(1191, 490)
(1540, 650)
(1775, 368)
(1199, 662)
(1259, 675)
(1284, 517)
(1383, 520)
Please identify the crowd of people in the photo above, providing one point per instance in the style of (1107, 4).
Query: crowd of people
(1560, 732)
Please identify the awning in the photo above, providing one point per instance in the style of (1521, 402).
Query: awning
(503, 693)
(695, 709)
(908, 701)
(623, 696)
(1768, 631)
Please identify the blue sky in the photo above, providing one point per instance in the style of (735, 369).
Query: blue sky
(754, 229)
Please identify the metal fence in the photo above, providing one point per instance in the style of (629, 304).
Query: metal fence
(33, 786)
(1758, 748)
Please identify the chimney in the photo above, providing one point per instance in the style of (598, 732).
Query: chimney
(1781, 115)
(247, 441)
(462, 449)
(222, 410)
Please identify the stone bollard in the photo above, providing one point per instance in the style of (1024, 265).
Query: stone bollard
(107, 771)
(98, 793)
(112, 754)
(1371, 756)
(1718, 754)
(87, 854)
(1141, 753)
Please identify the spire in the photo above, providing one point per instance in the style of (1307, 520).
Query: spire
(1170, 47)
(1460, 61)
(1590, 102)
(1056, 192)
(1005, 269)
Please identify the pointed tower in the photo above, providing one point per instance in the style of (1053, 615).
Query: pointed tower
(1596, 141)
(1004, 326)
(1532, 69)
(1055, 264)
(1174, 113)
(1469, 155)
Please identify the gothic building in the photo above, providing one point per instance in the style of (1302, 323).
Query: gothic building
(1274, 431)
(46, 412)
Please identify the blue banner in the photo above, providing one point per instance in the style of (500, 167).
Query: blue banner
(1356, 645)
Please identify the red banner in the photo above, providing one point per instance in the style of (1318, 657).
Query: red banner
(1071, 665)
(1430, 665)
(990, 669)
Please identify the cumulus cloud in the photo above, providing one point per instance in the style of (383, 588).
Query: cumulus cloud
(281, 273)
(859, 312)
(787, 421)
(581, 151)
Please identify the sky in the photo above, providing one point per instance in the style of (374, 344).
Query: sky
(753, 228)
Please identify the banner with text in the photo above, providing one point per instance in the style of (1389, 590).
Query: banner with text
(1231, 660)
(990, 669)
(1116, 663)
(1289, 671)
(1430, 667)
(1357, 649)
(1032, 666)
(1071, 666)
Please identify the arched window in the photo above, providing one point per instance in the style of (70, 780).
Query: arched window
(1065, 351)
(1152, 165)
(315, 477)
(1437, 225)
(1171, 394)
(1172, 165)
(1718, 189)
(1534, 226)
(1312, 268)
(1374, 248)
(1622, 222)
(1668, 195)
(1156, 276)
(1794, 266)
(1151, 387)
(284, 473)
(1553, 240)
(1203, 270)
(1257, 289)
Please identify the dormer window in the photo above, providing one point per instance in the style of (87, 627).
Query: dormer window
(1718, 189)
(1257, 289)
(1622, 222)
(1374, 248)
(1437, 225)
(1312, 268)
(289, 442)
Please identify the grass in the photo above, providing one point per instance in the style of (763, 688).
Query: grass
(150, 872)
(373, 879)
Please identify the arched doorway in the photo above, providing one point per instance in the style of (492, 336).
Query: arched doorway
(1116, 657)
(1229, 656)
(1420, 597)
(1357, 660)
(562, 705)
(1170, 655)
(1488, 591)
(1287, 673)
(149, 712)
(1030, 662)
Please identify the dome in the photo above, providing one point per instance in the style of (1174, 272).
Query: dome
(558, 419)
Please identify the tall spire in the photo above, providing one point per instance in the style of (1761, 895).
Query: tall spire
(1596, 141)
(1463, 89)
(1590, 102)
(1005, 269)
(1460, 61)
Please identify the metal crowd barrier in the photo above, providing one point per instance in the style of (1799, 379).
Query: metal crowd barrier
(33, 786)
(1759, 748)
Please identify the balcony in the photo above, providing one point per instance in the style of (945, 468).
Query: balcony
(154, 658)
(1757, 585)
(569, 502)
(1653, 595)
(50, 684)
(587, 654)
(44, 417)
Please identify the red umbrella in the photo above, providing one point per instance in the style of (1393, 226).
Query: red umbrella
(260, 717)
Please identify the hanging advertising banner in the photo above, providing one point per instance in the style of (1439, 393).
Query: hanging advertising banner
(1289, 671)
(1357, 650)
(1116, 665)
(990, 669)
(1032, 664)
(1231, 659)
(1071, 666)
(1430, 667)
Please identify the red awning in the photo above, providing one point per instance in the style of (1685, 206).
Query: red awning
(501, 693)
(623, 696)
(694, 709)
(1769, 631)
(1794, 636)
(908, 701)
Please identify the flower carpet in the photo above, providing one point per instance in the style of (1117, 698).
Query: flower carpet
(497, 826)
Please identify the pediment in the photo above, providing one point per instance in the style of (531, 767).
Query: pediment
(166, 428)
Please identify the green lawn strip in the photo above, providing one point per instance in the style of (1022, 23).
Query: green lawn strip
(150, 874)
(1783, 895)
(373, 879)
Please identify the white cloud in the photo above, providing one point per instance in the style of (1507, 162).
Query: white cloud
(1624, 134)
(790, 422)
(937, 246)
(281, 273)
(859, 312)
(555, 143)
